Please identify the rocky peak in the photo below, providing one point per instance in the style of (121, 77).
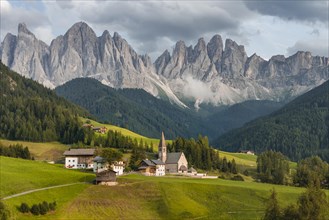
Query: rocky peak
(215, 48)
(201, 45)
(22, 29)
(234, 59)
(162, 61)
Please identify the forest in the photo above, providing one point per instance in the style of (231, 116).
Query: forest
(298, 130)
(32, 112)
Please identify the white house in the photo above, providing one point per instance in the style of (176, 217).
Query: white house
(79, 158)
(118, 167)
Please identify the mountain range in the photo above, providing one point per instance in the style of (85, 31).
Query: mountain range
(213, 72)
(300, 129)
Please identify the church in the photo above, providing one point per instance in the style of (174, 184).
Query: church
(174, 162)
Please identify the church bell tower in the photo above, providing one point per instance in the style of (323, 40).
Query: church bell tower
(162, 151)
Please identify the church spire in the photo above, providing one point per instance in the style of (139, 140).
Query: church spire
(162, 150)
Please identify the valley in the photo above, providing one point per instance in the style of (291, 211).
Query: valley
(196, 110)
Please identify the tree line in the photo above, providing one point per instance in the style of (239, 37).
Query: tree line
(201, 155)
(16, 151)
(311, 205)
(273, 167)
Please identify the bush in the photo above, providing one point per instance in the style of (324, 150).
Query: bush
(35, 210)
(24, 208)
(52, 206)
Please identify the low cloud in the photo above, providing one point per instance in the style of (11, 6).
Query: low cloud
(197, 90)
(319, 48)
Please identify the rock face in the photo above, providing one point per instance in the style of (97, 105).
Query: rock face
(206, 72)
(80, 53)
(229, 76)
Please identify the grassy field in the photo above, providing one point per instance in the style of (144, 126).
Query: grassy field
(139, 197)
(18, 175)
(136, 196)
(240, 158)
(126, 132)
(50, 151)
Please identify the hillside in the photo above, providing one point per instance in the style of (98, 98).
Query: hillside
(133, 109)
(140, 197)
(298, 130)
(140, 112)
(31, 112)
(14, 179)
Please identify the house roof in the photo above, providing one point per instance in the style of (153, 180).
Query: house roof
(79, 152)
(148, 162)
(158, 162)
(173, 157)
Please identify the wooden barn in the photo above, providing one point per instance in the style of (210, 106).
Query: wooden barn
(106, 177)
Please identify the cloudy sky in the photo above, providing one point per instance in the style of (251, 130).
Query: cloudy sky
(263, 27)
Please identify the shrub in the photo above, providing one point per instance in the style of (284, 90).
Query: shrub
(35, 210)
(52, 206)
(24, 208)
(42, 209)
(46, 205)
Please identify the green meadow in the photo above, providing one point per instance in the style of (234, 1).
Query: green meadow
(18, 175)
(126, 132)
(140, 197)
(136, 196)
(50, 151)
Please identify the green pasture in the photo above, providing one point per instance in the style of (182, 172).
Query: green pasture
(126, 132)
(140, 197)
(50, 151)
(18, 175)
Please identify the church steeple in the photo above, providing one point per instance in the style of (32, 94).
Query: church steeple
(162, 151)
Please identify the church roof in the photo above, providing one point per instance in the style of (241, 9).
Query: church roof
(158, 162)
(148, 162)
(173, 157)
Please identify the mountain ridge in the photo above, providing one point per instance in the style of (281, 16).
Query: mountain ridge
(213, 72)
(298, 130)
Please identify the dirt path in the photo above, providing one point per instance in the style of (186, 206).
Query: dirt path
(41, 189)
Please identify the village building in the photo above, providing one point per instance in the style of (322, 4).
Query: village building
(118, 167)
(106, 177)
(174, 162)
(79, 158)
(152, 167)
(250, 152)
(101, 130)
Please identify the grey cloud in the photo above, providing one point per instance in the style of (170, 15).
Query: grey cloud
(12, 16)
(310, 11)
(65, 4)
(318, 48)
(148, 21)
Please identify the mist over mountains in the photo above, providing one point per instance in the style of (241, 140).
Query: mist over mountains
(215, 72)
